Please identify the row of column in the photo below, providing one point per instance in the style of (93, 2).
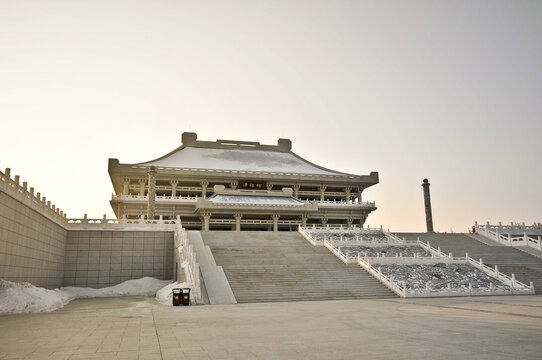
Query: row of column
(204, 185)
(206, 215)
(206, 218)
(150, 182)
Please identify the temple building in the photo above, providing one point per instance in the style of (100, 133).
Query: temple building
(238, 185)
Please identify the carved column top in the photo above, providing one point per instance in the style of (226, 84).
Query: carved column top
(204, 183)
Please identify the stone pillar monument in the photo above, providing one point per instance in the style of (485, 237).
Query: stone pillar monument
(427, 200)
(151, 201)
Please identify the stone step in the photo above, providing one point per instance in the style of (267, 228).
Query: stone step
(525, 266)
(531, 251)
(266, 267)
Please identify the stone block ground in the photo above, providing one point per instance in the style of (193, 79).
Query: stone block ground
(139, 328)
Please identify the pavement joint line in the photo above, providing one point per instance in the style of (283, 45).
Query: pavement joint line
(156, 332)
(474, 310)
(503, 303)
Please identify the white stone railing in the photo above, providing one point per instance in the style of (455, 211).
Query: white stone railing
(159, 198)
(345, 229)
(437, 256)
(516, 287)
(437, 252)
(26, 195)
(185, 258)
(344, 203)
(512, 235)
(394, 237)
(377, 273)
(535, 229)
(309, 238)
(337, 252)
(372, 241)
(141, 223)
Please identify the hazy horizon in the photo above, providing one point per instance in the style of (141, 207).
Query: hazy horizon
(449, 91)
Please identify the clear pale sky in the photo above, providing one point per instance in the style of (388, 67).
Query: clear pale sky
(445, 90)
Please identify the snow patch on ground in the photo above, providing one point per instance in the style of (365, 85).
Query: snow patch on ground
(17, 298)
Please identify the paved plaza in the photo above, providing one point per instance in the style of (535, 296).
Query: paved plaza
(140, 328)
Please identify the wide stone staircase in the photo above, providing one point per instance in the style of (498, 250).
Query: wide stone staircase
(525, 267)
(267, 267)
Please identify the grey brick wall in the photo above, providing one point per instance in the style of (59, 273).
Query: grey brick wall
(104, 258)
(31, 246)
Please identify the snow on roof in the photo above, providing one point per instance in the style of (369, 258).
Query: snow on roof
(255, 200)
(241, 160)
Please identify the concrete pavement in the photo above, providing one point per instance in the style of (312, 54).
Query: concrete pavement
(140, 328)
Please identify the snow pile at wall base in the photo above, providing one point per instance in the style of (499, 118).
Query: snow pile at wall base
(146, 286)
(17, 298)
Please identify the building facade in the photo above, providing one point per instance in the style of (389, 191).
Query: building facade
(238, 185)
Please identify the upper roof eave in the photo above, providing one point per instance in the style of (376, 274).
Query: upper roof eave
(284, 146)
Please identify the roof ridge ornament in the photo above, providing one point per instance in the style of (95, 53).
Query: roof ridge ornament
(191, 139)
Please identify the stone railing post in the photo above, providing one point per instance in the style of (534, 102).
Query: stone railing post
(142, 183)
(204, 185)
(322, 192)
(275, 218)
(174, 184)
(238, 217)
(125, 185)
(296, 190)
(206, 219)
(347, 190)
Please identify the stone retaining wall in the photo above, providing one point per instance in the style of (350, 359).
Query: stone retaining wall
(32, 247)
(104, 258)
